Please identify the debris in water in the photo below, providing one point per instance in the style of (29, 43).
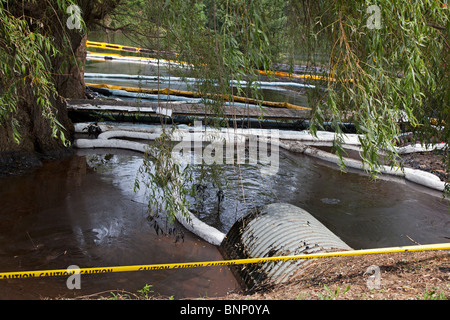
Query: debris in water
(330, 201)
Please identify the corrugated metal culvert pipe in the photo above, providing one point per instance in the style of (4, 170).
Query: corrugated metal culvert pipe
(278, 229)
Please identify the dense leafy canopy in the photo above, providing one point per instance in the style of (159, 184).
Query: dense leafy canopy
(37, 46)
(387, 79)
(26, 55)
(386, 61)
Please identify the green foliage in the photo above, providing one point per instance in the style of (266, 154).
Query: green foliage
(221, 40)
(386, 79)
(165, 179)
(332, 295)
(26, 55)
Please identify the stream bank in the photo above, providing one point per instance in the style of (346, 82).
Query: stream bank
(403, 276)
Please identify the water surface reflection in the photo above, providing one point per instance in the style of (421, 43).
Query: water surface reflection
(82, 210)
(67, 213)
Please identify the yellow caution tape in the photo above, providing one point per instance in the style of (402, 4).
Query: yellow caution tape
(168, 91)
(65, 272)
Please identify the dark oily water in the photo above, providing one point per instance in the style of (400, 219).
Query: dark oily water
(80, 211)
(362, 212)
(83, 211)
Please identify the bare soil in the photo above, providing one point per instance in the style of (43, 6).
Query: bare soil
(403, 276)
(433, 162)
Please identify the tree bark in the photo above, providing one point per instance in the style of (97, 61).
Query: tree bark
(68, 70)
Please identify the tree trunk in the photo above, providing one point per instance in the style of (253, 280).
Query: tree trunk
(36, 136)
